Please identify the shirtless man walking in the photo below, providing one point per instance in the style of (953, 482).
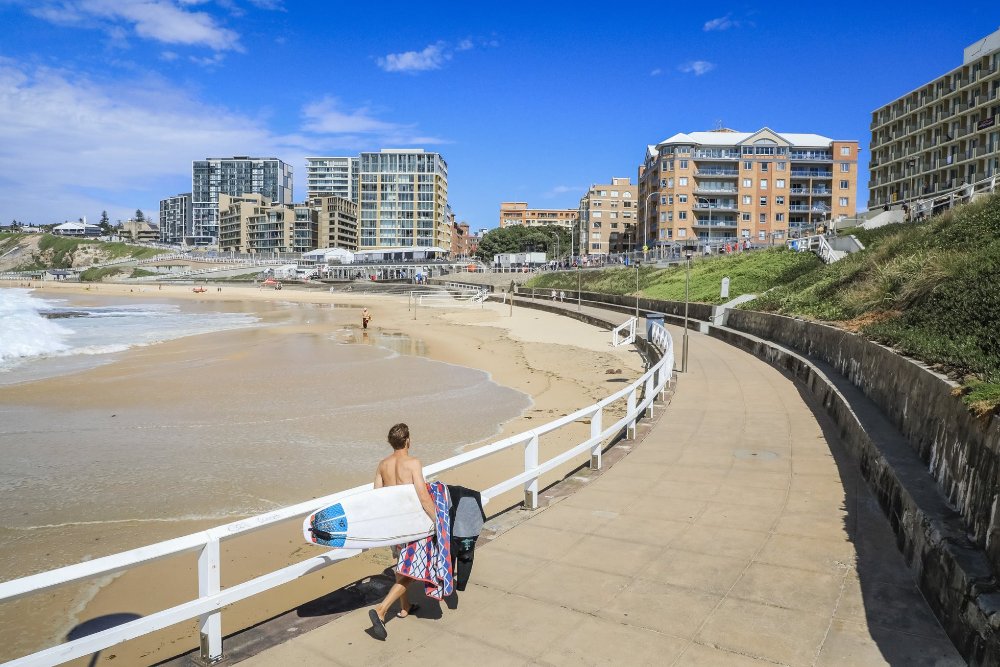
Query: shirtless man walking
(396, 469)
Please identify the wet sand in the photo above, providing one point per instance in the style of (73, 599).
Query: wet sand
(558, 362)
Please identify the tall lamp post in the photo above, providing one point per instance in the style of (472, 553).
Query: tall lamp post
(556, 237)
(687, 300)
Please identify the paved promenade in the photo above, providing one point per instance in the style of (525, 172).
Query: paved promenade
(735, 533)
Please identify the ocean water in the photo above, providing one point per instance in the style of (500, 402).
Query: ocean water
(283, 402)
(42, 337)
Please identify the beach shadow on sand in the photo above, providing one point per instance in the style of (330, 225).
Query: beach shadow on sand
(99, 624)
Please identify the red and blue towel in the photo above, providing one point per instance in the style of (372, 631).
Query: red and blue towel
(429, 559)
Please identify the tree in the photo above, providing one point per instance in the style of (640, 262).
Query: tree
(105, 224)
(519, 238)
(139, 215)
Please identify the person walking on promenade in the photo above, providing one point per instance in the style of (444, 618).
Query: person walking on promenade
(366, 317)
(397, 469)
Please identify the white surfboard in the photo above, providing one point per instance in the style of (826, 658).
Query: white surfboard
(376, 518)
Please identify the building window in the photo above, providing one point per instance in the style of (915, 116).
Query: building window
(614, 215)
(845, 150)
(843, 201)
(763, 184)
(746, 200)
(681, 233)
(761, 236)
(597, 225)
(627, 195)
(748, 165)
(663, 182)
(747, 183)
(845, 167)
(763, 218)
(670, 182)
(682, 199)
(669, 199)
(780, 166)
(670, 216)
(779, 183)
(779, 217)
(746, 217)
(779, 200)
(604, 193)
(596, 214)
(763, 201)
(614, 193)
(845, 185)
(764, 166)
(682, 215)
(682, 181)
(684, 164)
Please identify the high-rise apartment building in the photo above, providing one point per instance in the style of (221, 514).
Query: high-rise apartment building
(759, 186)
(233, 176)
(338, 222)
(403, 199)
(941, 136)
(518, 213)
(608, 218)
(175, 218)
(332, 177)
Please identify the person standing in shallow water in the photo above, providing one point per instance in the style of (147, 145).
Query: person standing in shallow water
(366, 317)
(396, 469)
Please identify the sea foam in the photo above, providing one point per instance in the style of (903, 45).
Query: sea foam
(24, 331)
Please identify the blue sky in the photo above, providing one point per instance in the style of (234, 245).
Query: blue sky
(105, 103)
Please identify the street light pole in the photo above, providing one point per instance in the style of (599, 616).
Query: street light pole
(687, 300)
(645, 225)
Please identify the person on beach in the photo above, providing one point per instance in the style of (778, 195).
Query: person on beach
(396, 469)
(366, 317)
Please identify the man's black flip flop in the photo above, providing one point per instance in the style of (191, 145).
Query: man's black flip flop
(378, 627)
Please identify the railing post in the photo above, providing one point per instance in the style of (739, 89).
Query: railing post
(651, 392)
(595, 431)
(531, 463)
(630, 409)
(210, 625)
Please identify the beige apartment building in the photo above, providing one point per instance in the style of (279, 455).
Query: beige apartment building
(337, 220)
(252, 224)
(460, 240)
(942, 136)
(517, 213)
(761, 186)
(608, 217)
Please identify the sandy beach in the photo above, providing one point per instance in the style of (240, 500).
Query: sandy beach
(213, 389)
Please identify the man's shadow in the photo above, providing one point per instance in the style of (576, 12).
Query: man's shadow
(369, 592)
(99, 624)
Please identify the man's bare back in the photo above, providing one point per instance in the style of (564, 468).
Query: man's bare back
(400, 468)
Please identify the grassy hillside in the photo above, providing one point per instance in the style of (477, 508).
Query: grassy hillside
(928, 290)
(59, 252)
(749, 273)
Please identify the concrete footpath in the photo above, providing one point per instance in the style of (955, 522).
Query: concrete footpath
(737, 532)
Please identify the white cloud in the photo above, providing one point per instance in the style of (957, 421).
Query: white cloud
(73, 146)
(163, 21)
(721, 23)
(697, 67)
(561, 190)
(433, 56)
(169, 56)
(656, 72)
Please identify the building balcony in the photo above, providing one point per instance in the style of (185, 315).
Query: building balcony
(716, 155)
(805, 208)
(703, 190)
(813, 156)
(818, 192)
(713, 224)
(725, 173)
(800, 173)
(715, 207)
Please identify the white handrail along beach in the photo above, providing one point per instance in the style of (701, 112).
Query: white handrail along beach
(639, 395)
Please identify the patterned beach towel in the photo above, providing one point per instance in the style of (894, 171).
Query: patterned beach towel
(429, 560)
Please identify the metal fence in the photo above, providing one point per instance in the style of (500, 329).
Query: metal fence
(212, 598)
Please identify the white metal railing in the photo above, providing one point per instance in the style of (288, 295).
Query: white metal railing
(454, 297)
(639, 396)
(624, 333)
